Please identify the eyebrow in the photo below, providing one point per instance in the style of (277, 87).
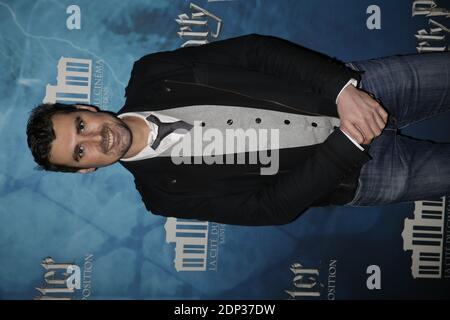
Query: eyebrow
(75, 150)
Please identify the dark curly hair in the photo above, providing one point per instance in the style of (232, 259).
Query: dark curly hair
(40, 134)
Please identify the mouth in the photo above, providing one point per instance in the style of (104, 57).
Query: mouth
(108, 140)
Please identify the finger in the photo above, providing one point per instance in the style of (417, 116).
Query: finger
(377, 123)
(384, 115)
(366, 130)
(375, 102)
(380, 123)
(353, 132)
(366, 139)
(380, 116)
(375, 127)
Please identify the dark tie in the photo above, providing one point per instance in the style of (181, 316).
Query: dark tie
(166, 128)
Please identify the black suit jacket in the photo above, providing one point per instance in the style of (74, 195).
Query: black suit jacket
(253, 71)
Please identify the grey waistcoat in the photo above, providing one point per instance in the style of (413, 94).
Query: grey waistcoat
(294, 130)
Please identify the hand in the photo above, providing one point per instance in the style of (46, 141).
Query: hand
(362, 117)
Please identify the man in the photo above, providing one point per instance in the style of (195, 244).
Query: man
(323, 113)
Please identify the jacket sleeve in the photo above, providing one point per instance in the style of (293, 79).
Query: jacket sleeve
(270, 55)
(278, 203)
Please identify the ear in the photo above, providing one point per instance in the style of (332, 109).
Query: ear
(85, 107)
(89, 170)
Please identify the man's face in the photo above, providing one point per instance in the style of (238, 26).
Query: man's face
(87, 139)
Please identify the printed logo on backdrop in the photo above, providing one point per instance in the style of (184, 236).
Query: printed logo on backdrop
(373, 22)
(78, 81)
(433, 39)
(198, 27)
(373, 281)
(306, 283)
(427, 236)
(197, 243)
(73, 21)
(66, 281)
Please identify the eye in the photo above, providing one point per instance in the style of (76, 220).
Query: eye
(80, 153)
(81, 126)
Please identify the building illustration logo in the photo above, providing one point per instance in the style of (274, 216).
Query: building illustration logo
(191, 241)
(196, 243)
(73, 82)
(427, 236)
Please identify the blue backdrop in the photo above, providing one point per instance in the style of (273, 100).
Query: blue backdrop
(97, 222)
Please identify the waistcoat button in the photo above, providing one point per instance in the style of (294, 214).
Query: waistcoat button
(230, 122)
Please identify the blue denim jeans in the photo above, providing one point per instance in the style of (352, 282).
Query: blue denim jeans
(411, 88)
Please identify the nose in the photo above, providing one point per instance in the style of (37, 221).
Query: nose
(94, 138)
